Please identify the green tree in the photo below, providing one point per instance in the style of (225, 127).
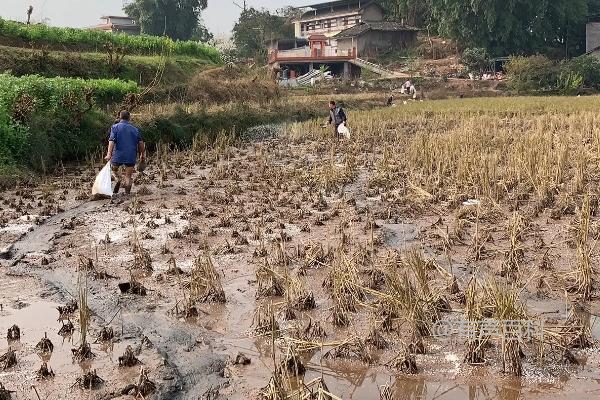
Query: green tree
(202, 34)
(412, 12)
(502, 27)
(254, 28)
(177, 19)
(513, 26)
(291, 12)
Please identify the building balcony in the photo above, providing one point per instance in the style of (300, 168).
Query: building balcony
(306, 54)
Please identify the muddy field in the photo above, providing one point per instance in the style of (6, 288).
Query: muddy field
(274, 268)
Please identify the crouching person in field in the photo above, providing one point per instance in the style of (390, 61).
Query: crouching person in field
(337, 116)
(124, 145)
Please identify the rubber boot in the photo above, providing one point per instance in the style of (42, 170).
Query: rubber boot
(117, 187)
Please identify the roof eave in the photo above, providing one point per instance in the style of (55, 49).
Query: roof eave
(345, 35)
(116, 16)
(594, 50)
(324, 5)
(350, 36)
(371, 3)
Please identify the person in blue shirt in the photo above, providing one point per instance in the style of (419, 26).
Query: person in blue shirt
(124, 145)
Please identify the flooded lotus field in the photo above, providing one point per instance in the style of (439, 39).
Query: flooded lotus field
(275, 267)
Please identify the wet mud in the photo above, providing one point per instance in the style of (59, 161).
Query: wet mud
(202, 225)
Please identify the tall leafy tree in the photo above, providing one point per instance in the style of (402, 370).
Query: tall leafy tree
(255, 27)
(553, 27)
(412, 12)
(291, 12)
(201, 33)
(177, 19)
(510, 26)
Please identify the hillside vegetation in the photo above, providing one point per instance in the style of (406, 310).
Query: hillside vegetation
(61, 87)
(232, 83)
(95, 40)
(50, 92)
(89, 65)
(46, 120)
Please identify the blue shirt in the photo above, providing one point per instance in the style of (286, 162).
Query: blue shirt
(126, 138)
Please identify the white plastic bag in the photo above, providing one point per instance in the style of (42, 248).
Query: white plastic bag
(103, 184)
(471, 202)
(343, 130)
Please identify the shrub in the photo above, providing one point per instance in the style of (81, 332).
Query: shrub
(569, 82)
(52, 93)
(56, 137)
(476, 59)
(232, 83)
(46, 120)
(13, 140)
(587, 67)
(535, 73)
(538, 73)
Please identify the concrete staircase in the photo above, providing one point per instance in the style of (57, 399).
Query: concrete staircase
(376, 68)
(304, 80)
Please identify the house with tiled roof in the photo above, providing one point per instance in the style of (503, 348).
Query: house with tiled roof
(332, 17)
(370, 38)
(335, 35)
(118, 24)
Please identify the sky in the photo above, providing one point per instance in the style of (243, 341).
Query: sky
(219, 17)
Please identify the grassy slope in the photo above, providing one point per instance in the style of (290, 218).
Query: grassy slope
(45, 130)
(17, 34)
(141, 69)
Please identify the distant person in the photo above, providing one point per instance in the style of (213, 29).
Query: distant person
(413, 91)
(406, 87)
(337, 116)
(124, 145)
(390, 101)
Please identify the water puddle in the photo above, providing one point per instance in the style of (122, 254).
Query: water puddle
(446, 377)
(35, 321)
(398, 235)
(262, 132)
(16, 229)
(38, 320)
(592, 321)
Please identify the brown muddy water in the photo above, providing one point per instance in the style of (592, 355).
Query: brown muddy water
(248, 205)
